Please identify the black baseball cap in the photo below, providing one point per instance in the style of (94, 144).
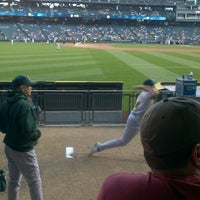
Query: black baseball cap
(22, 80)
(148, 82)
(170, 125)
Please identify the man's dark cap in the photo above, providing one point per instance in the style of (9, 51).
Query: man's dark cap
(22, 80)
(148, 82)
(170, 125)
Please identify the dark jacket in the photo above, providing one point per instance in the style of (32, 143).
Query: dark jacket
(19, 122)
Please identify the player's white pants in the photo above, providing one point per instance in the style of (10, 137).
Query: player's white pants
(130, 131)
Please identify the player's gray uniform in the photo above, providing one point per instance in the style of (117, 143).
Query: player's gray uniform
(145, 100)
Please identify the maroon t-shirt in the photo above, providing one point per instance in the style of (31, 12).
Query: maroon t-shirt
(130, 186)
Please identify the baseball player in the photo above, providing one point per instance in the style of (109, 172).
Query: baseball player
(143, 102)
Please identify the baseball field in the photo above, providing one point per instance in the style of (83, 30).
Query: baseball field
(130, 63)
(80, 178)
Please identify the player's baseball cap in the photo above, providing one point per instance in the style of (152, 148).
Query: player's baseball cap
(22, 80)
(170, 125)
(148, 82)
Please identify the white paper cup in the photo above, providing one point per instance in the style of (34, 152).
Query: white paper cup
(69, 152)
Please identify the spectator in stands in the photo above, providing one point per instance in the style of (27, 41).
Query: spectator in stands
(143, 102)
(170, 135)
(18, 122)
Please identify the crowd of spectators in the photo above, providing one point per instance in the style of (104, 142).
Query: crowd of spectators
(182, 33)
(85, 10)
(98, 23)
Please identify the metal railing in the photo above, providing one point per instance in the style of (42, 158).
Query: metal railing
(83, 107)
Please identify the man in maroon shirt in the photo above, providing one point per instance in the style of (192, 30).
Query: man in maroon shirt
(170, 136)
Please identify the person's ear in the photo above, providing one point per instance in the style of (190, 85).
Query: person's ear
(196, 155)
(22, 88)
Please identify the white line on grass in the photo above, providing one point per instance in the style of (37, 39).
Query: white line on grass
(180, 61)
(148, 69)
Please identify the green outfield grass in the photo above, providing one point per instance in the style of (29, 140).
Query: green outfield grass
(42, 63)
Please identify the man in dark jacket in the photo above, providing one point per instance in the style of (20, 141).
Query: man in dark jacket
(18, 122)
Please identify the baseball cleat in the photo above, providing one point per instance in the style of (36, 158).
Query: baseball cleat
(95, 148)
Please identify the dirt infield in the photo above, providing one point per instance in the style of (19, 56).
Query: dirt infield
(79, 178)
(142, 48)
